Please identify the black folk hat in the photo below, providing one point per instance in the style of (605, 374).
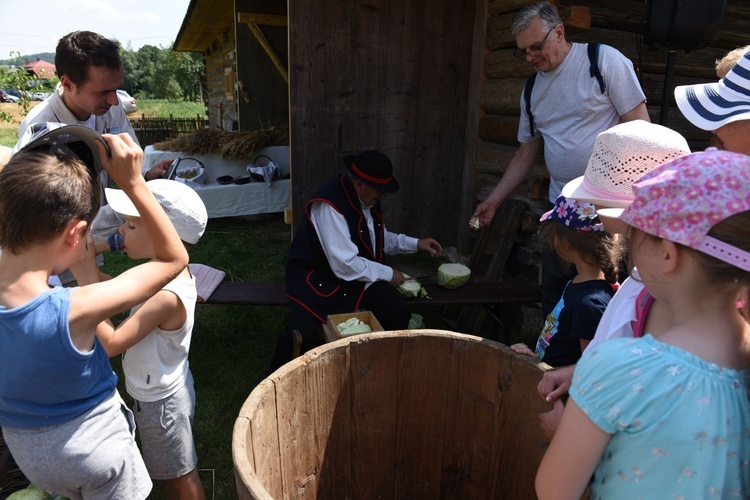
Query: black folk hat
(375, 170)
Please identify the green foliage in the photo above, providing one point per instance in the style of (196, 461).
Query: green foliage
(16, 78)
(162, 73)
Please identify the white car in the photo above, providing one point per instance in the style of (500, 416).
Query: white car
(127, 102)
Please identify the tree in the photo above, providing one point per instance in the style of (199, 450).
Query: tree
(16, 78)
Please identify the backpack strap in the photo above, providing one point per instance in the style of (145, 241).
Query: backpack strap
(527, 99)
(643, 304)
(593, 51)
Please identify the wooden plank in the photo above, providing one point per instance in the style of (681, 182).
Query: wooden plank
(470, 418)
(329, 385)
(374, 390)
(502, 96)
(474, 111)
(519, 404)
(274, 294)
(423, 376)
(298, 454)
(502, 129)
(257, 421)
(490, 257)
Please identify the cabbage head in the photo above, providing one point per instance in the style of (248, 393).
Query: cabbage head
(453, 275)
(410, 288)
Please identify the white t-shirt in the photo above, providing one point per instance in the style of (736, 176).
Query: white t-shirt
(617, 319)
(570, 110)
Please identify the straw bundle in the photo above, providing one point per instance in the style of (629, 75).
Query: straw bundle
(229, 145)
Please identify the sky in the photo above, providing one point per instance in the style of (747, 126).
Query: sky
(37, 27)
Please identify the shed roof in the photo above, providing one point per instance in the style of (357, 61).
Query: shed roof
(205, 21)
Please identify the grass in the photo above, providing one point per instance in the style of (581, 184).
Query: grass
(158, 108)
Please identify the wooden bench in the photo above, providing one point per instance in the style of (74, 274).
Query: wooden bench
(488, 296)
(479, 293)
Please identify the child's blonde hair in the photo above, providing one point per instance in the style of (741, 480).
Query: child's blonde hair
(726, 63)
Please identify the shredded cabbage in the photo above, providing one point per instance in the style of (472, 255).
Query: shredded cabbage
(353, 325)
(416, 322)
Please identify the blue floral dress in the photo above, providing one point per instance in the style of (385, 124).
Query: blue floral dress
(680, 426)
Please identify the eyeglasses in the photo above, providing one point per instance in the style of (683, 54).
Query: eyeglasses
(522, 54)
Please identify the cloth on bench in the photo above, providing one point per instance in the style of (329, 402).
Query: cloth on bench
(207, 279)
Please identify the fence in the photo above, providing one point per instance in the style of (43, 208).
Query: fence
(152, 130)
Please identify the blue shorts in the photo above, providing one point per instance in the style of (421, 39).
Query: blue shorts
(165, 431)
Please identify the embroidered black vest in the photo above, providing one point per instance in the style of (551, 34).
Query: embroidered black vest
(309, 278)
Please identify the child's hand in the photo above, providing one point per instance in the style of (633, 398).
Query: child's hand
(86, 270)
(124, 166)
(555, 383)
(521, 348)
(550, 421)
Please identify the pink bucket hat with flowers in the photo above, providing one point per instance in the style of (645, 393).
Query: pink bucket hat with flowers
(683, 199)
(574, 214)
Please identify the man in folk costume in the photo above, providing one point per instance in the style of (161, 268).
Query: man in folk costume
(335, 262)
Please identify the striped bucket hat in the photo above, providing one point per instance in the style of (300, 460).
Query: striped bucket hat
(710, 106)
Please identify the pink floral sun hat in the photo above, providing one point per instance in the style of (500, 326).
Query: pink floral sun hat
(684, 198)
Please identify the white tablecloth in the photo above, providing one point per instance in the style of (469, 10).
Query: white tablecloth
(227, 200)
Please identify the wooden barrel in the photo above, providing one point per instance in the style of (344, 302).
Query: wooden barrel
(417, 414)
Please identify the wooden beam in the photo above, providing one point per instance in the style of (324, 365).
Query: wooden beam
(254, 21)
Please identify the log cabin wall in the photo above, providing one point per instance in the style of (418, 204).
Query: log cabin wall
(221, 65)
(618, 24)
(396, 76)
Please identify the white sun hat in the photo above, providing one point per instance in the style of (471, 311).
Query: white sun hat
(182, 204)
(621, 155)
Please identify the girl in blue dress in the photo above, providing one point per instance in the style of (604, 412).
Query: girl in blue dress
(670, 418)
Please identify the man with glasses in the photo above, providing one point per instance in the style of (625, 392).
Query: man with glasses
(335, 262)
(569, 109)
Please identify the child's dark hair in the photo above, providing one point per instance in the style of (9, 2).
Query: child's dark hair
(594, 247)
(40, 193)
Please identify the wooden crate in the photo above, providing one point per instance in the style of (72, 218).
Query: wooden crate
(331, 332)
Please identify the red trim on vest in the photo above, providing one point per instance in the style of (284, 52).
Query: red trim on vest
(369, 177)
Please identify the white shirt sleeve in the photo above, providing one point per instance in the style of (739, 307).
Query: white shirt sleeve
(341, 252)
(399, 243)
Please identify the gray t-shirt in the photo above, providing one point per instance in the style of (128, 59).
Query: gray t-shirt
(570, 110)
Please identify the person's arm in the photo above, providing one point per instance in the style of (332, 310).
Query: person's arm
(341, 252)
(400, 243)
(637, 113)
(158, 170)
(92, 304)
(518, 169)
(572, 456)
(164, 310)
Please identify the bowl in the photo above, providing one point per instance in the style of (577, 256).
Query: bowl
(194, 174)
